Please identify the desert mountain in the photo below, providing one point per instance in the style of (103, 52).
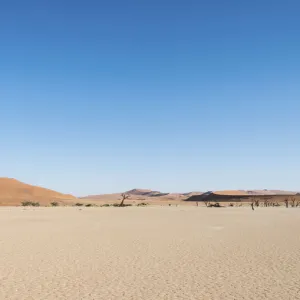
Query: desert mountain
(135, 193)
(13, 192)
(142, 194)
(270, 192)
(254, 192)
(145, 193)
(157, 197)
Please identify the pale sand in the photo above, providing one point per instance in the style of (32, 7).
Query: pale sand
(149, 253)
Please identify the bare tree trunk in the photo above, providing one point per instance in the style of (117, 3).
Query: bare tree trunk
(293, 201)
(124, 197)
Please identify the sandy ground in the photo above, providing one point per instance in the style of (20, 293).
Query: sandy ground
(149, 253)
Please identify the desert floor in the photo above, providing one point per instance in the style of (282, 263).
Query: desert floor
(149, 253)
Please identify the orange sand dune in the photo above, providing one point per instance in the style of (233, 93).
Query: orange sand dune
(13, 192)
(231, 192)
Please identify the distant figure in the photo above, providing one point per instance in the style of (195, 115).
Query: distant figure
(252, 205)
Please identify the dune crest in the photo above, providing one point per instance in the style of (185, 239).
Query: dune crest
(13, 192)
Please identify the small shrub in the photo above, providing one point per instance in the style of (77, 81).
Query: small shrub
(118, 205)
(89, 205)
(217, 204)
(78, 204)
(293, 202)
(54, 204)
(105, 205)
(30, 203)
(142, 204)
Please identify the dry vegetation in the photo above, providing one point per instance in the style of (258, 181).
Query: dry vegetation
(271, 202)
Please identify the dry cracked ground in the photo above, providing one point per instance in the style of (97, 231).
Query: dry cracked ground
(149, 253)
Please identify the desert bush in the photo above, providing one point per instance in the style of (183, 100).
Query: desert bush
(89, 205)
(105, 205)
(217, 204)
(293, 201)
(54, 204)
(30, 203)
(118, 205)
(286, 201)
(142, 204)
(78, 204)
(231, 204)
(266, 202)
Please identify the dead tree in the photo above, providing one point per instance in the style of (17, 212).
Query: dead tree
(255, 201)
(286, 201)
(293, 202)
(207, 204)
(124, 197)
(252, 205)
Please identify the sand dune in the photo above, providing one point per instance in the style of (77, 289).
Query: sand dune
(253, 192)
(151, 253)
(157, 198)
(142, 195)
(13, 192)
(231, 192)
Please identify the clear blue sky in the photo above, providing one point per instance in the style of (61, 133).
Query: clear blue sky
(105, 96)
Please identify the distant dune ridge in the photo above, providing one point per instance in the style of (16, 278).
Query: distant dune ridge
(142, 195)
(254, 192)
(157, 197)
(13, 192)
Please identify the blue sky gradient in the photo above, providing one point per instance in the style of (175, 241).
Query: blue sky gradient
(105, 96)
